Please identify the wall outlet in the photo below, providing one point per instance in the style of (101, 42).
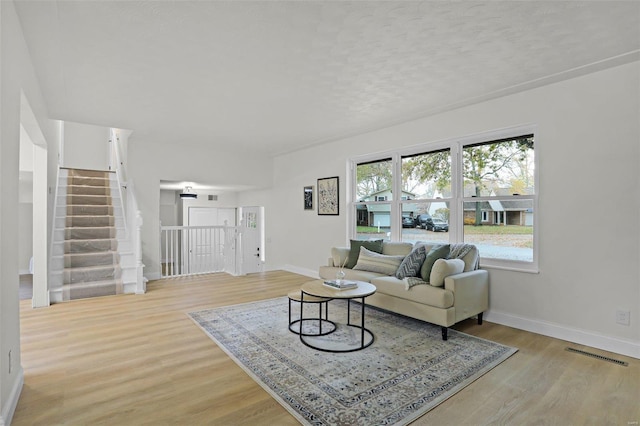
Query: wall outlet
(623, 317)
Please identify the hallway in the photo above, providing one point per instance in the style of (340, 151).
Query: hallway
(26, 286)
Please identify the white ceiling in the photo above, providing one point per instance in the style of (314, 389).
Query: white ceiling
(275, 76)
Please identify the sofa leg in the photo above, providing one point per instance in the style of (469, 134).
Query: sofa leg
(480, 318)
(444, 332)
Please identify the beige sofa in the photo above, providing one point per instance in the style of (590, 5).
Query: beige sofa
(464, 295)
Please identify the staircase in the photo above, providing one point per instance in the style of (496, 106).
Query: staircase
(89, 243)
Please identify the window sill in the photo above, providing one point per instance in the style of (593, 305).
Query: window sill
(525, 267)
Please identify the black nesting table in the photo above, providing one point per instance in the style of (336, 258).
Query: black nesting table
(316, 289)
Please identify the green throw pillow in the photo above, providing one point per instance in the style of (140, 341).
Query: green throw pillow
(354, 252)
(437, 252)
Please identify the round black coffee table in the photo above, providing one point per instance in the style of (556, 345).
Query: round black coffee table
(295, 326)
(317, 288)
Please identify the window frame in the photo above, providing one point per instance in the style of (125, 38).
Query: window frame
(457, 199)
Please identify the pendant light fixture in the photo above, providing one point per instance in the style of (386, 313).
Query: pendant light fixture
(188, 193)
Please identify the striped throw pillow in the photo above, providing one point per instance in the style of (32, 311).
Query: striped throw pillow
(380, 263)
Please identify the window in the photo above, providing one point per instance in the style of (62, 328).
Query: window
(426, 179)
(373, 193)
(480, 190)
(498, 183)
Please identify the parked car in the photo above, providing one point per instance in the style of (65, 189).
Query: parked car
(408, 222)
(424, 221)
(440, 225)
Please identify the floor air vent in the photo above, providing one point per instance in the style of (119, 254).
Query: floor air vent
(600, 357)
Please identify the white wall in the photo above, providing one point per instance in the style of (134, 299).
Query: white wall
(86, 146)
(224, 201)
(25, 198)
(169, 208)
(16, 75)
(25, 240)
(153, 161)
(588, 149)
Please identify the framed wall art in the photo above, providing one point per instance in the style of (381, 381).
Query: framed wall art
(308, 197)
(328, 192)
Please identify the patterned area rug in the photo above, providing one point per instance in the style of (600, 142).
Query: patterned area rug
(407, 371)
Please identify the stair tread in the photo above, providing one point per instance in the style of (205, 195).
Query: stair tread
(88, 215)
(91, 253)
(90, 239)
(89, 227)
(93, 267)
(93, 283)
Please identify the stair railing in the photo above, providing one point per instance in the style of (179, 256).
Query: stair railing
(134, 219)
(54, 272)
(191, 250)
(132, 215)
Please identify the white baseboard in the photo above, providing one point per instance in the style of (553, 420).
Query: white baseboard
(12, 401)
(302, 271)
(574, 335)
(153, 276)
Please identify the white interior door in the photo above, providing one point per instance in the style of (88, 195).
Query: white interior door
(252, 223)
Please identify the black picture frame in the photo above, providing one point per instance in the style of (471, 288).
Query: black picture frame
(308, 197)
(329, 196)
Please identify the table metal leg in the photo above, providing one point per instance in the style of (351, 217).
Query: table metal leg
(304, 338)
(301, 310)
(362, 325)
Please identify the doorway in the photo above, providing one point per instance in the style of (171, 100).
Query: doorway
(34, 179)
(252, 229)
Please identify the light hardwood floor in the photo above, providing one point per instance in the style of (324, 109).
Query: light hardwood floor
(139, 360)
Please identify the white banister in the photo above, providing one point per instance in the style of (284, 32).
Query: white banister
(189, 250)
(132, 215)
(141, 283)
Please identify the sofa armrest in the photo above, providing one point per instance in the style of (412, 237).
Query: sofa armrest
(470, 292)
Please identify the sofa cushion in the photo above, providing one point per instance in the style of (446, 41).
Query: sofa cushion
(396, 248)
(410, 266)
(427, 245)
(443, 268)
(437, 252)
(329, 273)
(426, 294)
(354, 251)
(413, 281)
(375, 262)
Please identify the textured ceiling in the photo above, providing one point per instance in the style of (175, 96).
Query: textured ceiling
(277, 76)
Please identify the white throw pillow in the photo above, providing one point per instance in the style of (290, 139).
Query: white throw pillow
(380, 263)
(442, 268)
